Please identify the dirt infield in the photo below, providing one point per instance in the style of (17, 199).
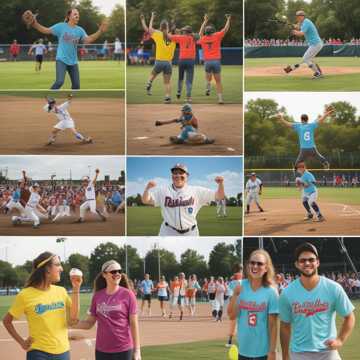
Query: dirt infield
(303, 71)
(285, 217)
(224, 123)
(153, 331)
(115, 225)
(25, 127)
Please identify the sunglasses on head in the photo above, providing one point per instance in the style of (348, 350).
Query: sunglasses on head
(258, 263)
(305, 260)
(114, 272)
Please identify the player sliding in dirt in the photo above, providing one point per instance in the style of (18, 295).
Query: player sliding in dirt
(189, 128)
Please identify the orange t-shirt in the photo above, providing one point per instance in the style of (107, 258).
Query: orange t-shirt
(211, 45)
(187, 46)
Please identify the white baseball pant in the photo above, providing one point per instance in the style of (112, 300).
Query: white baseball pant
(168, 231)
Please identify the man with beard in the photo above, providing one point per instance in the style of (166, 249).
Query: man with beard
(308, 308)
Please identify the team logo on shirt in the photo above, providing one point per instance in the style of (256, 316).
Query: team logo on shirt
(190, 210)
(43, 308)
(309, 308)
(105, 309)
(252, 319)
(70, 38)
(252, 306)
(169, 202)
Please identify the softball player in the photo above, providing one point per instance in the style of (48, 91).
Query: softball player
(220, 290)
(165, 50)
(174, 291)
(14, 202)
(253, 189)
(180, 202)
(62, 209)
(40, 50)
(189, 128)
(306, 135)
(146, 288)
(65, 120)
(190, 294)
(307, 183)
(162, 288)
(211, 290)
(308, 308)
(307, 29)
(221, 208)
(210, 41)
(90, 198)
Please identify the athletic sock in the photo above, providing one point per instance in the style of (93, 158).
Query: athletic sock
(316, 208)
(248, 208)
(230, 340)
(307, 207)
(79, 136)
(220, 97)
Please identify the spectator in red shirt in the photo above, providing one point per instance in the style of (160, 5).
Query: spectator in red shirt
(14, 50)
(187, 55)
(210, 41)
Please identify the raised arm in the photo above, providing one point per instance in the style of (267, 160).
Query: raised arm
(143, 23)
(97, 171)
(93, 37)
(282, 120)
(227, 24)
(32, 22)
(151, 23)
(220, 192)
(146, 197)
(202, 28)
(328, 111)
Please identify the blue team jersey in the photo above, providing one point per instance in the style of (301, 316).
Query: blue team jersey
(312, 313)
(146, 286)
(254, 310)
(310, 32)
(68, 37)
(16, 195)
(309, 180)
(305, 134)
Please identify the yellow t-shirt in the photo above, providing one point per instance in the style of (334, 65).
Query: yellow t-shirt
(46, 313)
(164, 50)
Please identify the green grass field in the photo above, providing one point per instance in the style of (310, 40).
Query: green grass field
(348, 82)
(146, 221)
(347, 196)
(137, 77)
(93, 75)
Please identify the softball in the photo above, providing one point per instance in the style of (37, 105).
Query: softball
(75, 273)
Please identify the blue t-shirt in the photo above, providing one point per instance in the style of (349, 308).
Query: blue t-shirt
(68, 37)
(312, 313)
(305, 134)
(254, 310)
(310, 32)
(146, 286)
(308, 179)
(116, 198)
(232, 285)
(16, 195)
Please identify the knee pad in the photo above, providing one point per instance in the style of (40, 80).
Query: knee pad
(214, 313)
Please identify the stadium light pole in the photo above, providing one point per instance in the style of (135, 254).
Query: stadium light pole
(62, 240)
(126, 261)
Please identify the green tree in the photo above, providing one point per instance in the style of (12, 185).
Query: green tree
(168, 264)
(193, 263)
(135, 264)
(221, 260)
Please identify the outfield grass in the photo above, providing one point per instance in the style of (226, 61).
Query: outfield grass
(93, 75)
(137, 77)
(348, 82)
(349, 196)
(146, 221)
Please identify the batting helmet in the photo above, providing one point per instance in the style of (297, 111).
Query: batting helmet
(209, 30)
(186, 108)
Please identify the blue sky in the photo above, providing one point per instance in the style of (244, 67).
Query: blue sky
(202, 171)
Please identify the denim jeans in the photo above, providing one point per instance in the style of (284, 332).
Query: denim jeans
(186, 67)
(41, 355)
(61, 69)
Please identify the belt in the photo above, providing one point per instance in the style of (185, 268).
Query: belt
(181, 231)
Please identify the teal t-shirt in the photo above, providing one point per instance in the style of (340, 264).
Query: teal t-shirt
(68, 38)
(146, 286)
(306, 134)
(309, 179)
(312, 313)
(310, 32)
(253, 319)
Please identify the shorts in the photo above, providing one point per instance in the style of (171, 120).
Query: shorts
(163, 298)
(321, 355)
(42, 355)
(181, 300)
(190, 300)
(65, 124)
(39, 58)
(146, 297)
(123, 355)
(162, 67)
(213, 66)
(252, 196)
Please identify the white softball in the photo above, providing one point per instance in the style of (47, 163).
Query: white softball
(75, 272)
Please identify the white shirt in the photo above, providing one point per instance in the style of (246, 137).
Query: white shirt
(61, 111)
(211, 287)
(117, 47)
(90, 192)
(253, 186)
(33, 199)
(179, 207)
(39, 49)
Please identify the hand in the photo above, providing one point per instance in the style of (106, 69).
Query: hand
(23, 172)
(137, 354)
(295, 32)
(158, 123)
(142, 17)
(237, 290)
(219, 180)
(280, 116)
(206, 18)
(150, 185)
(104, 26)
(76, 282)
(329, 110)
(334, 344)
(153, 14)
(271, 355)
(28, 18)
(228, 16)
(97, 171)
(26, 344)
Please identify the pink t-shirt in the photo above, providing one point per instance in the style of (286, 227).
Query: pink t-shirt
(112, 313)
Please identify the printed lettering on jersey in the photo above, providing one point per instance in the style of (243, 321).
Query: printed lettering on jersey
(88, 189)
(69, 38)
(252, 306)
(43, 308)
(309, 308)
(252, 319)
(106, 309)
(169, 202)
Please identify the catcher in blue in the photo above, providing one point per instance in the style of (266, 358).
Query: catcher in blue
(189, 128)
(307, 183)
(65, 120)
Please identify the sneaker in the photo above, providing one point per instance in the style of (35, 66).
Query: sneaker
(167, 100)
(207, 92)
(288, 69)
(148, 88)
(320, 218)
(326, 165)
(80, 220)
(261, 209)
(181, 315)
(317, 75)
(36, 226)
(178, 95)
(221, 102)
(308, 217)
(50, 142)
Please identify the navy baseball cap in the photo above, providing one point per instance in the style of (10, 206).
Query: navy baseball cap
(181, 167)
(308, 247)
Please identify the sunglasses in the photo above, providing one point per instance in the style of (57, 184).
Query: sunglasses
(258, 263)
(114, 272)
(305, 260)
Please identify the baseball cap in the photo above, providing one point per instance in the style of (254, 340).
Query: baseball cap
(181, 167)
(186, 108)
(305, 247)
(110, 266)
(300, 13)
(36, 185)
(253, 174)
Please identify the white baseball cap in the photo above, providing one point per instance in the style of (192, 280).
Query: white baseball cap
(110, 266)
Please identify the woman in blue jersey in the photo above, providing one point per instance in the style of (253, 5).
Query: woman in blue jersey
(255, 306)
(69, 34)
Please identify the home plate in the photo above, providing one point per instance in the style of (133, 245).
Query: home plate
(141, 138)
(230, 149)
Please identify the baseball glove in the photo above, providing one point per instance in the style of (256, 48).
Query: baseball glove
(28, 18)
(158, 123)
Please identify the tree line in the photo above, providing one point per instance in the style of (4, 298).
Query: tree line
(221, 260)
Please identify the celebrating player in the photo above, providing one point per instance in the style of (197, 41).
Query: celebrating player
(307, 183)
(69, 34)
(114, 309)
(255, 306)
(90, 198)
(65, 120)
(189, 128)
(220, 290)
(48, 310)
(180, 202)
(165, 50)
(40, 50)
(146, 289)
(253, 189)
(306, 135)
(210, 41)
(308, 308)
(306, 28)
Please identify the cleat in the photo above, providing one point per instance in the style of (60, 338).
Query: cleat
(288, 69)
(176, 140)
(78, 221)
(178, 95)
(207, 92)
(50, 142)
(148, 88)
(320, 218)
(88, 140)
(15, 220)
(36, 226)
(261, 210)
(308, 217)
(317, 75)
(167, 100)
